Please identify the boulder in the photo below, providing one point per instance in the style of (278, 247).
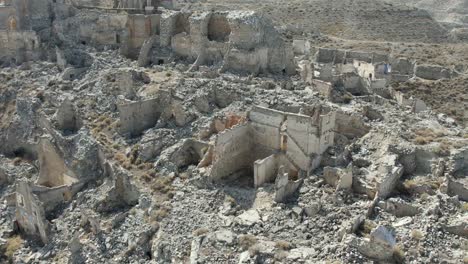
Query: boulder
(249, 218)
(458, 226)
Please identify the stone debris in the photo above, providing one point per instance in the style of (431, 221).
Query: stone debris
(154, 132)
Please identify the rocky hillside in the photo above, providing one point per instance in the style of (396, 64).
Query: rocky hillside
(360, 19)
(447, 11)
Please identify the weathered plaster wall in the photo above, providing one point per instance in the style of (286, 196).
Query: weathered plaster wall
(285, 187)
(19, 46)
(233, 152)
(266, 124)
(52, 197)
(8, 18)
(140, 27)
(240, 41)
(30, 214)
(53, 171)
(135, 117)
(349, 125)
(265, 170)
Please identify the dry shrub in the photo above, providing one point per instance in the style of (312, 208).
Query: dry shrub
(367, 226)
(160, 214)
(17, 161)
(146, 177)
(119, 156)
(162, 184)
(464, 207)
(145, 166)
(126, 165)
(283, 245)
(13, 244)
(247, 241)
(254, 250)
(281, 254)
(426, 135)
(420, 140)
(417, 234)
(398, 254)
(200, 231)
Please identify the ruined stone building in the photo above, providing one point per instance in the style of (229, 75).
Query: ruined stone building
(271, 142)
(236, 41)
(239, 41)
(63, 172)
(20, 22)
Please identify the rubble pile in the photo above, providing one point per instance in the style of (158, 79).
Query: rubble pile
(230, 148)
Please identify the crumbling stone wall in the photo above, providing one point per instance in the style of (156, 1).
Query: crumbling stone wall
(53, 171)
(8, 17)
(30, 216)
(232, 152)
(138, 116)
(239, 41)
(19, 46)
(51, 197)
(302, 139)
(140, 27)
(266, 170)
(433, 72)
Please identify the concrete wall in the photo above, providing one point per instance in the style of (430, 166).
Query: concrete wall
(324, 88)
(30, 214)
(19, 46)
(304, 131)
(417, 105)
(336, 56)
(402, 66)
(364, 69)
(349, 125)
(140, 28)
(233, 152)
(53, 171)
(265, 170)
(301, 47)
(266, 124)
(327, 131)
(460, 162)
(39, 13)
(52, 197)
(8, 18)
(297, 155)
(135, 117)
(284, 187)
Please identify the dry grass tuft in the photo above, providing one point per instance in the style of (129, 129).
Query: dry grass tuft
(283, 245)
(464, 207)
(247, 241)
(162, 184)
(399, 254)
(281, 255)
(160, 214)
(417, 234)
(200, 231)
(13, 244)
